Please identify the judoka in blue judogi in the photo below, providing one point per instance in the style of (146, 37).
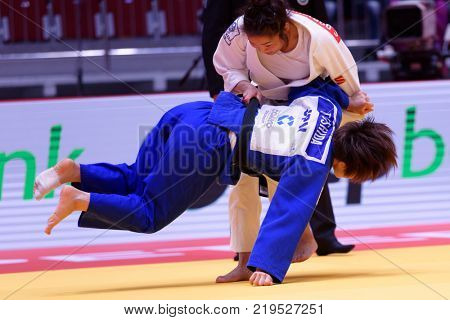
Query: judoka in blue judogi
(193, 145)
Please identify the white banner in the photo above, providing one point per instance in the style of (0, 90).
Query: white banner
(36, 134)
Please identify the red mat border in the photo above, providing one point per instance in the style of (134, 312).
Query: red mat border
(12, 261)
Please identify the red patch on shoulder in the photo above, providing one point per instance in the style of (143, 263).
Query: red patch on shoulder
(339, 80)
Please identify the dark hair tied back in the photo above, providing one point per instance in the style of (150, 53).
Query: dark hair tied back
(265, 17)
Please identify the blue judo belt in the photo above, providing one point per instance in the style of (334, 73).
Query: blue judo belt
(240, 161)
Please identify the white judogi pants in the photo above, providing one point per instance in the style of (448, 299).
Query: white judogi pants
(245, 212)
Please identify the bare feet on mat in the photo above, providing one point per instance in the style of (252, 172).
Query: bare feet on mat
(305, 247)
(260, 278)
(70, 200)
(64, 171)
(240, 273)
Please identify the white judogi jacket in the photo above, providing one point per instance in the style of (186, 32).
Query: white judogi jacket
(236, 60)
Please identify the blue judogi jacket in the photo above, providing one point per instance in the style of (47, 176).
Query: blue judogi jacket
(293, 145)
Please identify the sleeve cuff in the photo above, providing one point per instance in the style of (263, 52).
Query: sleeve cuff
(233, 79)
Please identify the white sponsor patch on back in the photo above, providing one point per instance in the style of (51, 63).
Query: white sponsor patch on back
(303, 128)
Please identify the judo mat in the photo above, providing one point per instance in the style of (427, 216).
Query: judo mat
(389, 263)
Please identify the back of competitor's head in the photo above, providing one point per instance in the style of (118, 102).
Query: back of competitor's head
(367, 149)
(265, 17)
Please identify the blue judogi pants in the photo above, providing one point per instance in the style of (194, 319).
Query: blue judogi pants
(178, 161)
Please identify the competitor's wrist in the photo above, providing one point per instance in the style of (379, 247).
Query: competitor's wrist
(241, 86)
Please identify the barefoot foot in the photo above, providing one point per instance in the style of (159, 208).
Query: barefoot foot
(64, 171)
(305, 247)
(240, 273)
(70, 200)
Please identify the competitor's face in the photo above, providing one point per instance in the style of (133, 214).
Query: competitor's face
(266, 44)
